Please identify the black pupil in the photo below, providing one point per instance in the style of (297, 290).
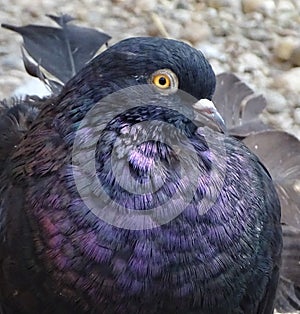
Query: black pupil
(162, 81)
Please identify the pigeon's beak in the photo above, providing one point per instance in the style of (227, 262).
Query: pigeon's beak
(208, 109)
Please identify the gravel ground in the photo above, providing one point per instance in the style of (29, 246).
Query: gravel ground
(257, 40)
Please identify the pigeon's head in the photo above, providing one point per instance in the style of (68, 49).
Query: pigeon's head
(173, 68)
(167, 63)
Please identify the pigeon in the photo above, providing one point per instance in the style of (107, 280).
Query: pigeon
(120, 198)
(239, 106)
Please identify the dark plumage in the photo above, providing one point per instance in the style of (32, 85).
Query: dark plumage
(57, 49)
(220, 254)
(16, 116)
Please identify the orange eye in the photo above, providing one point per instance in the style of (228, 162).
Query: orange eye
(161, 81)
(165, 81)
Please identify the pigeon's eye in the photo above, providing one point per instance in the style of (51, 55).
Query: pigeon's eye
(165, 80)
(162, 81)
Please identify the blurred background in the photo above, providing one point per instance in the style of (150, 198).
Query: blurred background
(257, 40)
